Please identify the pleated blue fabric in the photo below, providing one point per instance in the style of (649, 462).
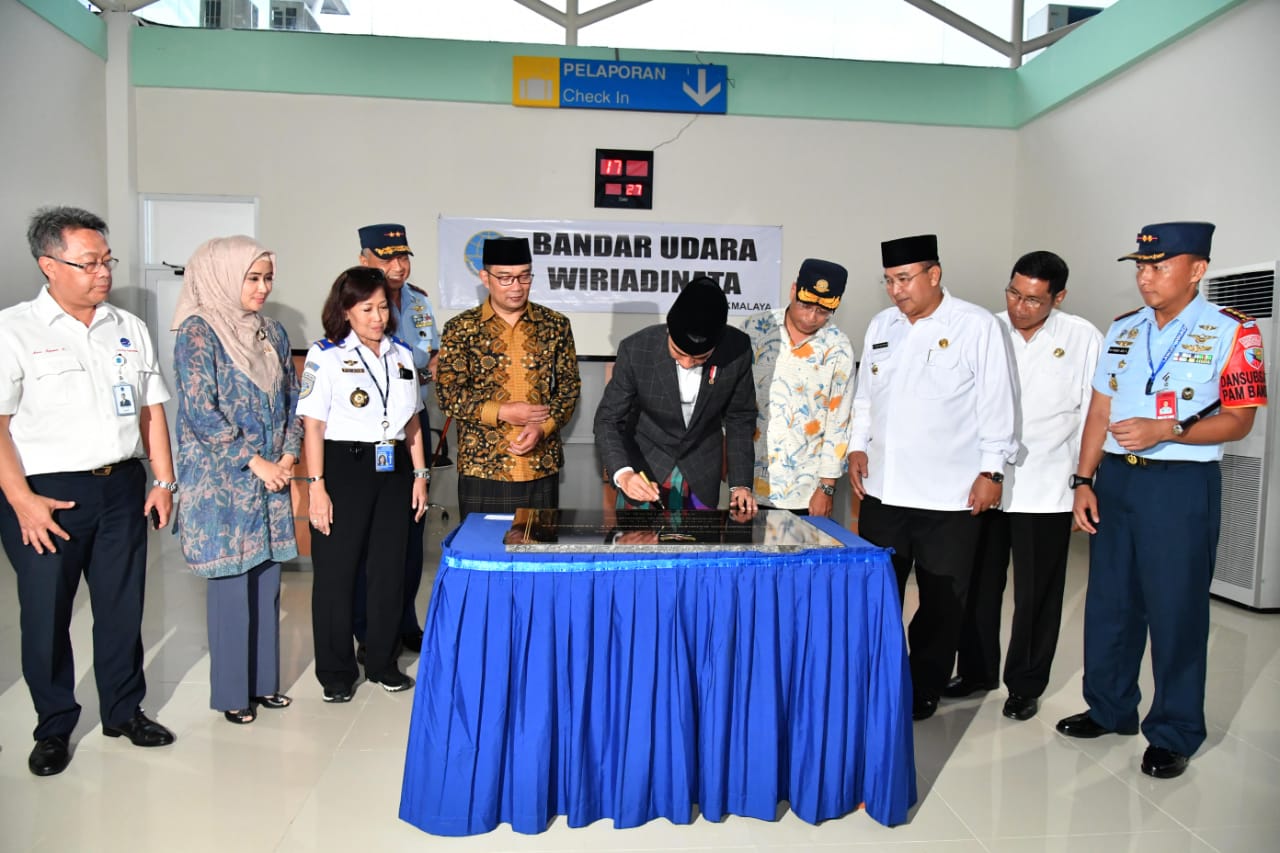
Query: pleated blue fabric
(640, 686)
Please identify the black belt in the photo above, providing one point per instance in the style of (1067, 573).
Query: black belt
(359, 445)
(103, 471)
(1136, 461)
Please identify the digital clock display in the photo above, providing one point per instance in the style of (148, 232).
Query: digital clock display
(624, 178)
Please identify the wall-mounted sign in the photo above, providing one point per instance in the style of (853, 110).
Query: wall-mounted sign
(599, 84)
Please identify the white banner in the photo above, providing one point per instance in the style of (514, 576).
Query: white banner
(606, 267)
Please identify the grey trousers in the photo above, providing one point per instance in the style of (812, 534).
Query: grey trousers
(244, 637)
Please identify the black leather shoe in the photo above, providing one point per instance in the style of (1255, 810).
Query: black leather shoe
(1020, 707)
(50, 756)
(1082, 725)
(411, 641)
(922, 708)
(1163, 763)
(960, 687)
(140, 731)
(337, 694)
(394, 682)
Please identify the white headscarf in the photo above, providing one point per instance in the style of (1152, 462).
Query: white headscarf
(211, 288)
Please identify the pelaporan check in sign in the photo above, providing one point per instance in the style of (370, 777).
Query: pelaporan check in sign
(595, 84)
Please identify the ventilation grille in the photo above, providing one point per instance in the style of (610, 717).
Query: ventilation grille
(1252, 292)
(1241, 507)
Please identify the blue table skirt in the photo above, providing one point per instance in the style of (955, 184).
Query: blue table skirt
(629, 687)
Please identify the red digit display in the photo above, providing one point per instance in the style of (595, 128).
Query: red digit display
(612, 189)
(637, 169)
(635, 189)
(611, 167)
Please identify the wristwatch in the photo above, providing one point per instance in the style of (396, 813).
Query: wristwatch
(171, 488)
(422, 474)
(827, 489)
(1178, 429)
(993, 476)
(1077, 481)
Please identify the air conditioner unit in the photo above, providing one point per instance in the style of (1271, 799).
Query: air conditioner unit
(1247, 570)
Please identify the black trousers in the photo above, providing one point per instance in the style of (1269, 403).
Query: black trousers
(940, 545)
(413, 559)
(108, 546)
(370, 524)
(1150, 567)
(476, 494)
(1039, 544)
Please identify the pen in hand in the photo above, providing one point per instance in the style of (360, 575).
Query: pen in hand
(657, 501)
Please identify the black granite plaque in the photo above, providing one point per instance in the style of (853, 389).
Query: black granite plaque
(640, 530)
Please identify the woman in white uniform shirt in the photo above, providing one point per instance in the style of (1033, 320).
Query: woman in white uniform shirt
(364, 452)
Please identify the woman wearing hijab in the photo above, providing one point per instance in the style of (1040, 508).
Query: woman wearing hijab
(238, 439)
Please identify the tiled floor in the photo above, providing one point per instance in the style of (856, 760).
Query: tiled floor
(319, 777)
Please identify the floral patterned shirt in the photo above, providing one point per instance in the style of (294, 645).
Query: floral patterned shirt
(804, 395)
(483, 363)
(227, 520)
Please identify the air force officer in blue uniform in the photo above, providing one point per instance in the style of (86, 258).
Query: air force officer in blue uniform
(1177, 379)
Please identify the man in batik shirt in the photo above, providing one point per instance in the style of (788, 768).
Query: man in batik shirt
(508, 374)
(803, 369)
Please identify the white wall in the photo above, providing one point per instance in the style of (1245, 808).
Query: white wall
(1190, 133)
(322, 166)
(52, 136)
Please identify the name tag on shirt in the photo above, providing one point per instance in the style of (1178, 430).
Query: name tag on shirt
(384, 457)
(122, 395)
(1167, 406)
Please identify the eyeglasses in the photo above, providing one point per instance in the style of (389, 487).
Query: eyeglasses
(92, 267)
(1032, 302)
(902, 278)
(508, 280)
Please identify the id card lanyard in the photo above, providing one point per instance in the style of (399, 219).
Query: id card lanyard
(122, 392)
(1155, 369)
(384, 459)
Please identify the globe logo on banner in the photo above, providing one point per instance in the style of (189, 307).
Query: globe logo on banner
(474, 250)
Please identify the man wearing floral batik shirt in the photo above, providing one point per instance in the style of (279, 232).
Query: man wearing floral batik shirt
(803, 369)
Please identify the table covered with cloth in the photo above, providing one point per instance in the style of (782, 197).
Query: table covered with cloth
(638, 686)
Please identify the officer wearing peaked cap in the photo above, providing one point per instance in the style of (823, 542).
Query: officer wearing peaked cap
(386, 247)
(803, 369)
(1178, 378)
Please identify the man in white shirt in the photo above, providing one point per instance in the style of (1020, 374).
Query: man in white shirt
(933, 429)
(80, 399)
(1055, 354)
(803, 369)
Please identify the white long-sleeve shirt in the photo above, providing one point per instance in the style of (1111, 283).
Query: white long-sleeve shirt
(1055, 379)
(934, 405)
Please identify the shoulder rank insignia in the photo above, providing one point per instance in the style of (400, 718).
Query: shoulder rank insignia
(1238, 316)
(396, 339)
(324, 344)
(1127, 314)
(416, 289)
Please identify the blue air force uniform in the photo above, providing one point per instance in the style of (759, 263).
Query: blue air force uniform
(1151, 560)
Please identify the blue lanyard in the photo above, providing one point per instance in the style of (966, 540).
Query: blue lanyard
(388, 378)
(1155, 371)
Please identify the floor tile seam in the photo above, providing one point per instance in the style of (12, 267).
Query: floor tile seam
(1228, 733)
(1198, 837)
(973, 836)
(1069, 835)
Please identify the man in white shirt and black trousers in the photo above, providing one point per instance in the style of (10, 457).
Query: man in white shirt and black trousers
(1055, 354)
(933, 429)
(80, 401)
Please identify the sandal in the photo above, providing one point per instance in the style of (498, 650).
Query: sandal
(242, 717)
(274, 701)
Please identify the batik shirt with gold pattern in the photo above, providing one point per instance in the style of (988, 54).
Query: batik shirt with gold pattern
(483, 363)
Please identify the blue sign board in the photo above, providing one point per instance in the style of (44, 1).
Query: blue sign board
(596, 84)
